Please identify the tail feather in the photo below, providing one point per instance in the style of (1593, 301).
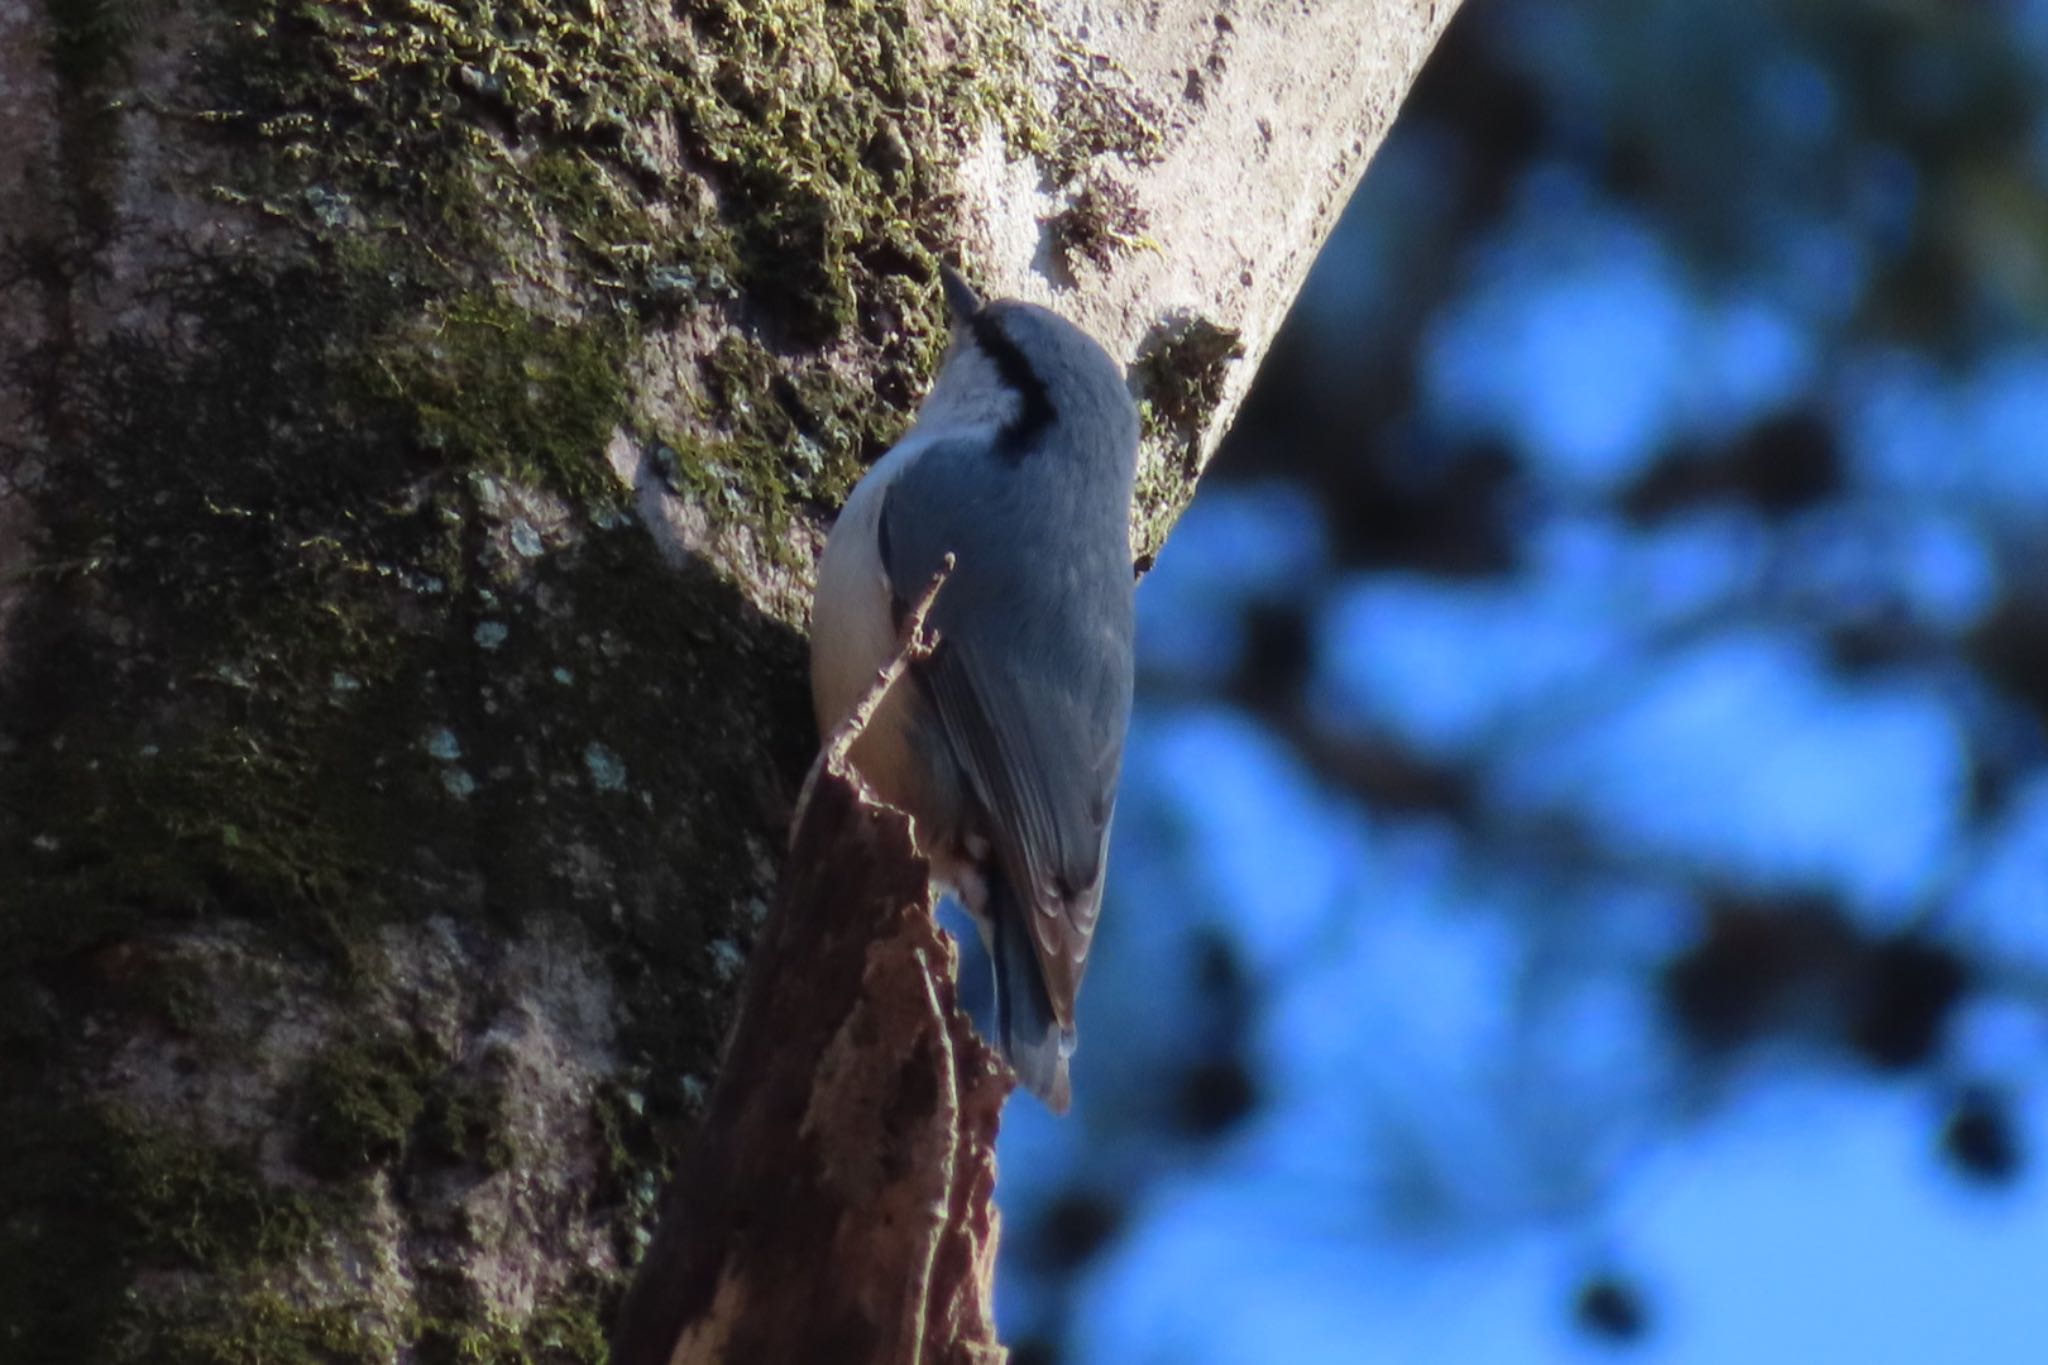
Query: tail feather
(1030, 1037)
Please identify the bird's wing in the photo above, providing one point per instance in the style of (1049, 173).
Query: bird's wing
(1033, 699)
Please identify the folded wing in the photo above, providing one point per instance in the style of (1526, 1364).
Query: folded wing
(1030, 682)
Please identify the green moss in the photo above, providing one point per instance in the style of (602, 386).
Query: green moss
(386, 116)
(275, 513)
(781, 434)
(465, 1122)
(197, 1205)
(94, 1196)
(362, 1099)
(264, 1328)
(633, 1164)
(1161, 495)
(493, 386)
(1103, 222)
(133, 807)
(820, 124)
(826, 130)
(568, 1330)
(186, 1005)
(1181, 369)
(1100, 112)
(385, 1098)
(305, 604)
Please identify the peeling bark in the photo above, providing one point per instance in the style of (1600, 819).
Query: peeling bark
(840, 1204)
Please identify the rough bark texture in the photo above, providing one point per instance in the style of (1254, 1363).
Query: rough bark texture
(417, 423)
(838, 1206)
(839, 1200)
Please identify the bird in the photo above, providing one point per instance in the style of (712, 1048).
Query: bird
(1004, 742)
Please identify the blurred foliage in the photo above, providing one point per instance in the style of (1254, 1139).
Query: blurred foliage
(1637, 534)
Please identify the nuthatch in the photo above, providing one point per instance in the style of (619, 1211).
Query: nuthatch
(1005, 742)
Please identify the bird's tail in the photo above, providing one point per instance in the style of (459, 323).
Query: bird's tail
(1030, 1037)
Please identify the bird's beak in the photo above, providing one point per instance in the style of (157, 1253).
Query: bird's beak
(961, 300)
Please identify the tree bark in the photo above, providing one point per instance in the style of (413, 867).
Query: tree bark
(418, 421)
(838, 1203)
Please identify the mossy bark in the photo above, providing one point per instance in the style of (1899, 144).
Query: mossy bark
(417, 422)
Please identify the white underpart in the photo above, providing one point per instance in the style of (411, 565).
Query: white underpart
(854, 637)
(853, 631)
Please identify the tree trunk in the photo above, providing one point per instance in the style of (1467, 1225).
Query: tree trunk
(417, 424)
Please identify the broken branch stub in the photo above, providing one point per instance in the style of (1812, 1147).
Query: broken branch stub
(839, 1204)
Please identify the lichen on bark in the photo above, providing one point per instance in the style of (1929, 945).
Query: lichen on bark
(382, 814)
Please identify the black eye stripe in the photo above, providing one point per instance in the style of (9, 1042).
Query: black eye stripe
(1035, 411)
